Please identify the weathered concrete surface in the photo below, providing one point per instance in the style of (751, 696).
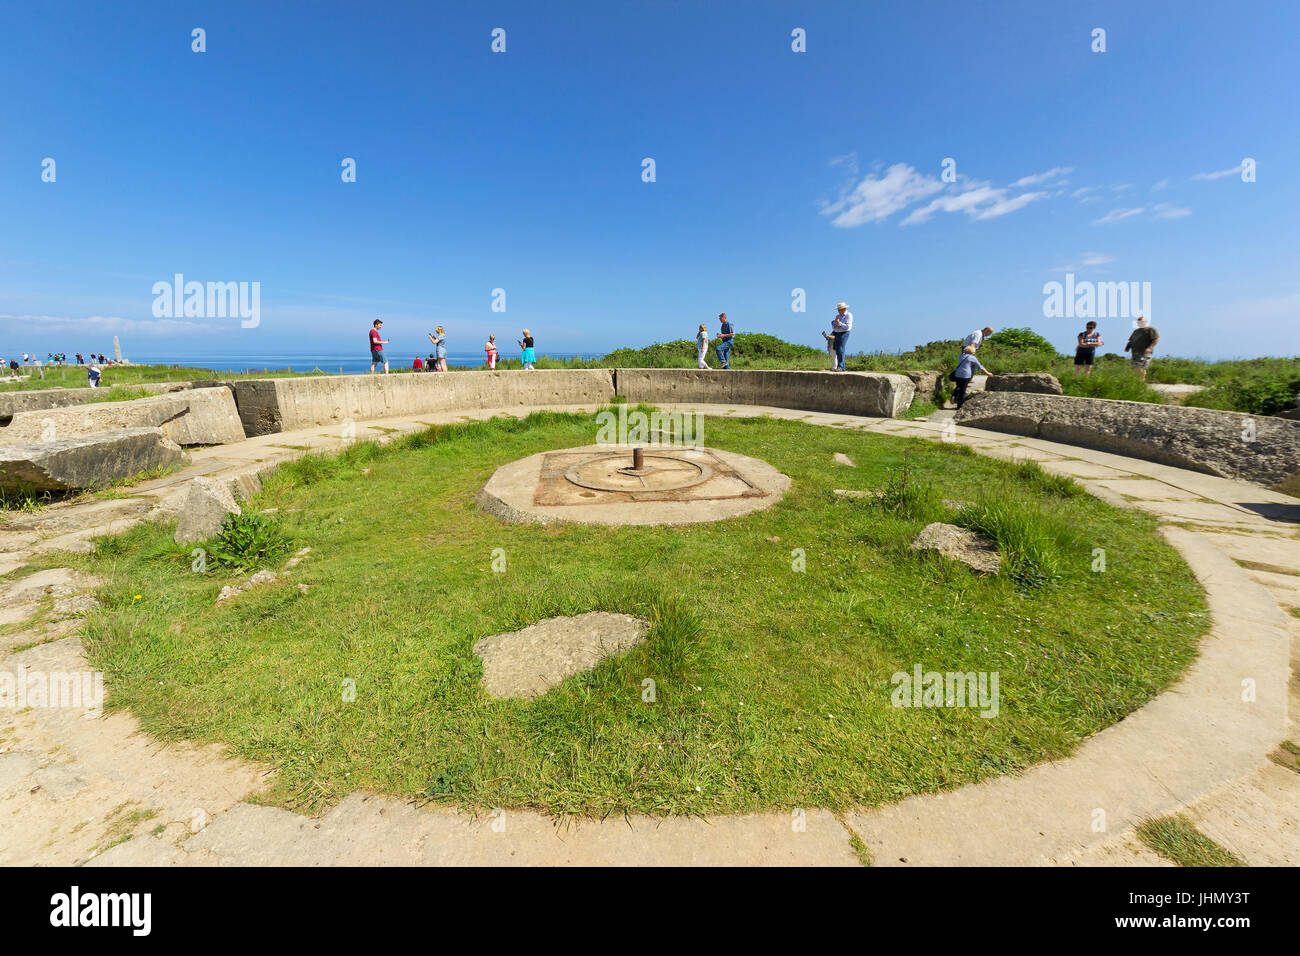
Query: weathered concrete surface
(89, 461)
(1036, 382)
(929, 385)
(531, 661)
(267, 406)
(960, 544)
(11, 403)
(197, 416)
(849, 393)
(204, 510)
(1255, 448)
(515, 492)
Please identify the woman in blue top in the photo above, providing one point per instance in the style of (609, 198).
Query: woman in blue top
(439, 339)
(529, 356)
(964, 372)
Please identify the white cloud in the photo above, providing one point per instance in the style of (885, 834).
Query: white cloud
(1166, 210)
(1087, 260)
(1163, 184)
(877, 198)
(1056, 172)
(1235, 170)
(1117, 215)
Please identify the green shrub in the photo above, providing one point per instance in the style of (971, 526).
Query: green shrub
(1256, 397)
(1120, 383)
(247, 541)
(1020, 340)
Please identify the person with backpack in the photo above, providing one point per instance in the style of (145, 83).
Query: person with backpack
(1141, 343)
(92, 375)
(964, 372)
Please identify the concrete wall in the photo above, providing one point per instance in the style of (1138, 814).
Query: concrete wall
(13, 402)
(267, 406)
(195, 416)
(848, 393)
(1257, 448)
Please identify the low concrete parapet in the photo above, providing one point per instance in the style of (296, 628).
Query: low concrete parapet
(194, 416)
(847, 393)
(86, 461)
(267, 406)
(1257, 448)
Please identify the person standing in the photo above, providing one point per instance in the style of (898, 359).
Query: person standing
(439, 339)
(417, 365)
(977, 337)
(377, 344)
(964, 372)
(725, 335)
(1141, 343)
(1089, 341)
(841, 326)
(528, 356)
(702, 346)
(492, 354)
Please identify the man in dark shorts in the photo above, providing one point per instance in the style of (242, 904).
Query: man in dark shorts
(1089, 340)
(1140, 346)
(377, 347)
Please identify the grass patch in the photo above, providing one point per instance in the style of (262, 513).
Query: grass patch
(1177, 839)
(772, 684)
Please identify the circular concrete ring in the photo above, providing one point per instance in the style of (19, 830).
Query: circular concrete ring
(734, 485)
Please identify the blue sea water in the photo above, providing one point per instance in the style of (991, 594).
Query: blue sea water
(345, 363)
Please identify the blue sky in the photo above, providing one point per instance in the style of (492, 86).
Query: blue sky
(522, 170)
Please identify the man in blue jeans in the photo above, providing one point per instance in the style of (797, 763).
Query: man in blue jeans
(725, 335)
(841, 326)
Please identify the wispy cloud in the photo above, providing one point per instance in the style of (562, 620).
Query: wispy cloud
(1118, 215)
(1087, 260)
(1163, 184)
(1166, 210)
(1234, 171)
(879, 195)
(1052, 175)
(876, 198)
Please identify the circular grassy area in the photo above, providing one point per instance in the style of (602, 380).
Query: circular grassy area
(774, 645)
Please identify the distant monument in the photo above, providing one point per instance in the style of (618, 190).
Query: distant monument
(117, 350)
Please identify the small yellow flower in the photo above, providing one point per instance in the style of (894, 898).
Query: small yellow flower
(136, 598)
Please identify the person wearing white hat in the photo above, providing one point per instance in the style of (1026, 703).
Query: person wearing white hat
(841, 326)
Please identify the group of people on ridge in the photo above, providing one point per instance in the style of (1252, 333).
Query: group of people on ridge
(437, 361)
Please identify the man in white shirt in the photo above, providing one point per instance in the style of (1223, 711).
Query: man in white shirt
(841, 326)
(977, 337)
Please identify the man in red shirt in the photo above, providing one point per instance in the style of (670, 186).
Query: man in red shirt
(418, 364)
(377, 347)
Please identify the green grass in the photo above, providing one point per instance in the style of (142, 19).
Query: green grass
(117, 379)
(1177, 839)
(773, 686)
